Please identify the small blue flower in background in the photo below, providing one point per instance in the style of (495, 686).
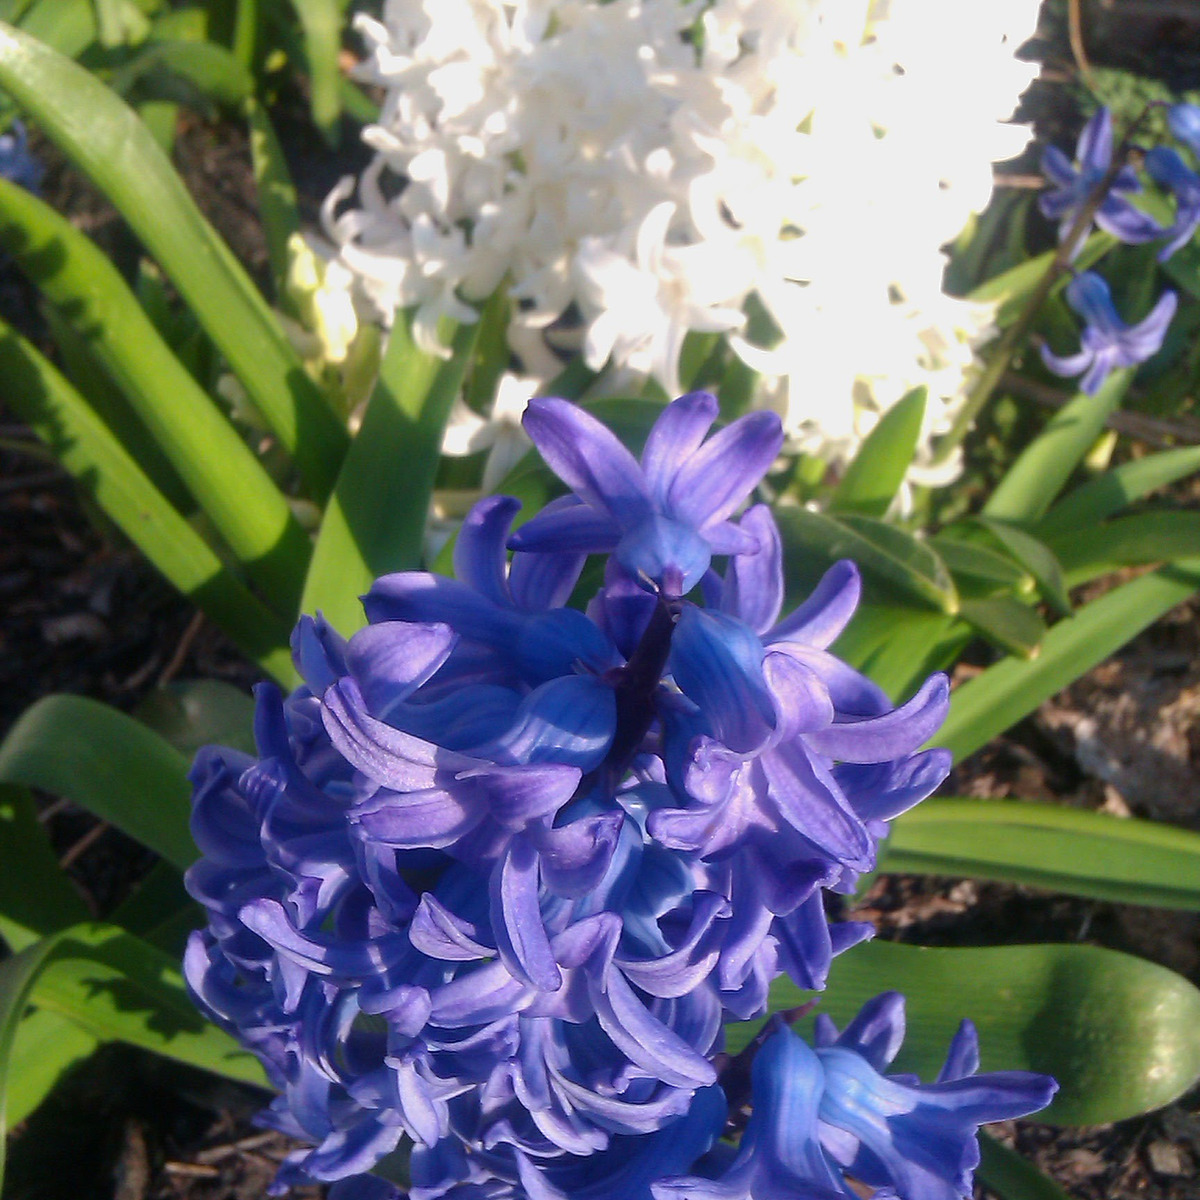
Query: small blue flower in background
(1073, 187)
(1107, 342)
(16, 163)
(503, 869)
(1166, 168)
(1184, 122)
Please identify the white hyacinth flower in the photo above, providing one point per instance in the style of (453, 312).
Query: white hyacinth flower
(635, 170)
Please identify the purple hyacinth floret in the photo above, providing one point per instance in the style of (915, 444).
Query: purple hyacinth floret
(1072, 187)
(1165, 167)
(17, 163)
(1184, 122)
(1107, 342)
(502, 868)
(825, 1113)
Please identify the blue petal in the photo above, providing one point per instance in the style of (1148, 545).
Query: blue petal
(666, 551)
(753, 590)
(1184, 123)
(717, 663)
(588, 458)
(479, 553)
(716, 479)
(676, 436)
(517, 921)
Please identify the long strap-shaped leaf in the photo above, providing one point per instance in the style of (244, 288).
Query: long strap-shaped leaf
(375, 522)
(1037, 476)
(105, 139)
(109, 764)
(999, 697)
(36, 898)
(1050, 846)
(113, 987)
(118, 988)
(83, 444)
(1121, 1035)
(46, 1047)
(220, 470)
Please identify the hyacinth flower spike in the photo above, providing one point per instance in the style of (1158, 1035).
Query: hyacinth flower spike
(1108, 343)
(1073, 187)
(1168, 169)
(501, 868)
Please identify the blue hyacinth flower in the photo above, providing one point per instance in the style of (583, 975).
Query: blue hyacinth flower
(16, 163)
(664, 518)
(820, 1115)
(1184, 122)
(1073, 187)
(1107, 342)
(1168, 169)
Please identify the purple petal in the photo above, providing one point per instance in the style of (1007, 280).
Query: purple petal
(717, 663)
(753, 590)
(390, 660)
(962, 1058)
(826, 612)
(418, 596)
(808, 798)
(647, 1042)
(676, 436)
(1068, 365)
(722, 473)
(890, 735)
(877, 1032)
(1095, 148)
(439, 933)
(569, 721)
(588, 458)
(576, 856)
(690, 963)
(517, 920)
(414, 820)
(571, 530)
(479, 554)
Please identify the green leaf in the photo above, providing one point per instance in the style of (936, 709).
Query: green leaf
(1011, 689)
(36, 897)
(156, 906)
(1011, 289)
(872, 479)
(1121, 1035)
(1008, 623)
(86, 448)
(109, 764)
(200, 712)
(117, 988)
(276, 195)
(108, 402)
(321, 24)
(1071, 850)
(209, 68)
(1115, 489)
(219, 469)
(1148, 537)
(1032, 482)
(375, 522)
(104, 138)
(898, 647)
(1012, 1177)
(978, 563)
(46, 1047)
(892, 555)
(1036, 557)
(17, 977)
